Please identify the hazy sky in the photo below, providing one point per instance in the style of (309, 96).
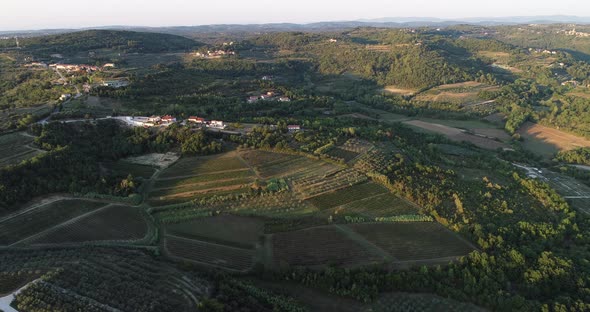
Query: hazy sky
(35, 14)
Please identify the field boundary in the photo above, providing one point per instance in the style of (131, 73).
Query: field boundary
(51, 229)
(365, 243)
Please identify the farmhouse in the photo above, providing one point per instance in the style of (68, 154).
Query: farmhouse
(266, 78)
(168, 119)
(115, 83)
(217, 124)
(284, 99)
(293, 128)
(253, 99)
(110, 65)
(195, 119)
(64, 97)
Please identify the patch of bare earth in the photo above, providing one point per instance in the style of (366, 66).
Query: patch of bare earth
(562, 140)
(457, 134)
(399, 91)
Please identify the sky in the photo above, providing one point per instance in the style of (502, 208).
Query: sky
(43, 14)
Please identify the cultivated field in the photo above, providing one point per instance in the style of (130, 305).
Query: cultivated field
(198, 177)
(413, 241)
(14, 148)
(226, 257)
(457, 134)
(347, 195)
(268, 164)
(313, 184)
(113, 223)
(236, 231)
(319, 246)
(19, 227)
(382, 205)
(402, 302)
(201, 165)
(547, 141)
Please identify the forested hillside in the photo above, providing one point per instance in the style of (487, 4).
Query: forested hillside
(121, 41)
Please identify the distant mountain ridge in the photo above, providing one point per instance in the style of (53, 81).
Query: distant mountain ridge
(386, 22)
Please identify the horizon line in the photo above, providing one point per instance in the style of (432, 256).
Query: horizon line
(378, 20)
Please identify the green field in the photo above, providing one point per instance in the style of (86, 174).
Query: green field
(43, 218)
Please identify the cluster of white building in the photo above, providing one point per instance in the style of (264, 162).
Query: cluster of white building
(216, 124)
(214, 54)
(268, 96)
(153, 121)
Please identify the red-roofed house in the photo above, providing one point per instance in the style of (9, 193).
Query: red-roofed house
(168, 119)
(293, 128)
(196, 119)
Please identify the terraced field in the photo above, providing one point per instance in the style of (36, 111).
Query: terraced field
(226, 257)
(14, 149)
(413, 240)
(319, 246)
(236, 231)
(35, 221)
(112, 223)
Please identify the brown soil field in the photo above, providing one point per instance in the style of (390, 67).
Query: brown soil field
(563, 141)
(580, 94)
(457, 135)
(399, 91)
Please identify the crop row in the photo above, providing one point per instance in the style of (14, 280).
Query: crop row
(112, 223)
(35, 221)
(318, 246)
(168, 183)
(201, 165)
(347, 195)
(413, 240)
(212, 254)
